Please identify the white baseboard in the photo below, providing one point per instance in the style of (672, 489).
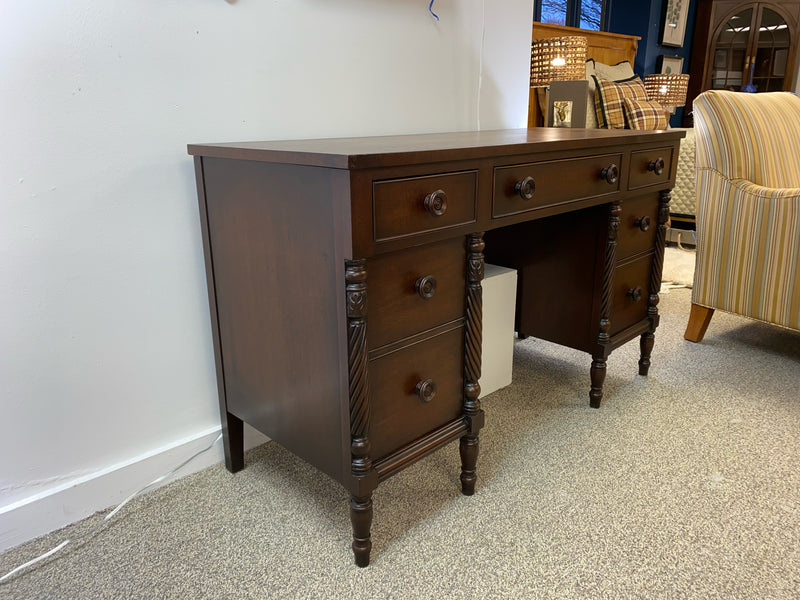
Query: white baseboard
(79, 498)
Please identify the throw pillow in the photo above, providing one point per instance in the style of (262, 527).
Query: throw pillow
(609, 100)
(619, 72)
(645, 114)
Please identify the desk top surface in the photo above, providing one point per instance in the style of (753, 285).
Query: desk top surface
(384, 151)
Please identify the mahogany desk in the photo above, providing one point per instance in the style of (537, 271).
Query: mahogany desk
(344, 281)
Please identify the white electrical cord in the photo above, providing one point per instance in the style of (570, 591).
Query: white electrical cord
(480, 66)
(96, 526)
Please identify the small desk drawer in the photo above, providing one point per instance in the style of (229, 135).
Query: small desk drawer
(630, 292)
(413, 205)
(650, 167)
(638, 226)
(521, 188)
(401, 409)
(413, 290)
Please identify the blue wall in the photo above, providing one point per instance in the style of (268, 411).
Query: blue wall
(645, 18)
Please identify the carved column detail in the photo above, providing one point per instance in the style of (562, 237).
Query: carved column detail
(664, 198)
(648, 338)
(361, 465)
(472, 362)
(615, 209)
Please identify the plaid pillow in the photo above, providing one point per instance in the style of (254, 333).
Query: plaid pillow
(644, 114)
(609, 100)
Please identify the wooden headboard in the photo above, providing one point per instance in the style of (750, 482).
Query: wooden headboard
(604, 47)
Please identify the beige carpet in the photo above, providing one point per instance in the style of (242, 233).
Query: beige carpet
(683, 485)
(678, 266)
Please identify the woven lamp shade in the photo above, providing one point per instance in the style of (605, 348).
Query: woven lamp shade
(558, 59)
(668, 89)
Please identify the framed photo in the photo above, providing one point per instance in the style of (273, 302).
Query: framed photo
(566, 103)
(669, 64)
(674, 22)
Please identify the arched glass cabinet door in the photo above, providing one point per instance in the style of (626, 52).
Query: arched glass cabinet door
(770, 52)
(730, 52)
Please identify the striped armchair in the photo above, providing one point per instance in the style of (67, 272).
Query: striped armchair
(748, 208)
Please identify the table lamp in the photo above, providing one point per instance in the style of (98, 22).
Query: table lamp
(668, 89)
(560, 64)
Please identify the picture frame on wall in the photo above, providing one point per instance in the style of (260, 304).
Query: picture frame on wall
(675, 13)
(669, 64)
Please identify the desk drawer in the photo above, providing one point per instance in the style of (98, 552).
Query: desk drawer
(401, 411)
(630, 291)
(413, 205)
(554, 182)
(638, 226)
(413, 290)
(650, 167)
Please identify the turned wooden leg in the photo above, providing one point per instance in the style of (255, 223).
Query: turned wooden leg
(699, 318)
(233, 442)
(361, 518)
(598, 375)
(646, 347)
(468, 448)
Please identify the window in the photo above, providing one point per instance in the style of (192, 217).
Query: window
(586, 14)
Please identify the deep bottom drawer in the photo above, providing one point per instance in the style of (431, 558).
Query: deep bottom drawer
(401, 413)
(630, 291)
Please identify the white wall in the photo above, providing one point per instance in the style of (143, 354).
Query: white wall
(105, 351)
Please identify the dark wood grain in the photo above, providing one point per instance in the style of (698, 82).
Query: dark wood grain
(279, 300)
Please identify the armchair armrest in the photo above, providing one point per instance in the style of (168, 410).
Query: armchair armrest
(749, 189)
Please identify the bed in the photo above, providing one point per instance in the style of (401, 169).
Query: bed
(612, 49)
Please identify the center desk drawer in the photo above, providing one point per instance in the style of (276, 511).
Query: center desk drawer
(520, 188)
(413, 205)
(415, 390)
(414, 290)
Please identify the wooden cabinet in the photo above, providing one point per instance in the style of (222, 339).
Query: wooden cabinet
(750, 46)
(344, 281)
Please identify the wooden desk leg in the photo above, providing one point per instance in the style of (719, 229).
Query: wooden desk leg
(468, 448)
(598, 375)
(646, 346)
(233, 442)
(361, 518)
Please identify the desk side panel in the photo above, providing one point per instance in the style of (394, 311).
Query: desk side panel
(279, 235)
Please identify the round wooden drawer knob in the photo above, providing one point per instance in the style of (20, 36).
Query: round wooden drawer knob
(525, 188)
(436, 203)
(656, 166)
(635, 294)
(426, 390)
(610, 174)
(643, 223)
(425, 287)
